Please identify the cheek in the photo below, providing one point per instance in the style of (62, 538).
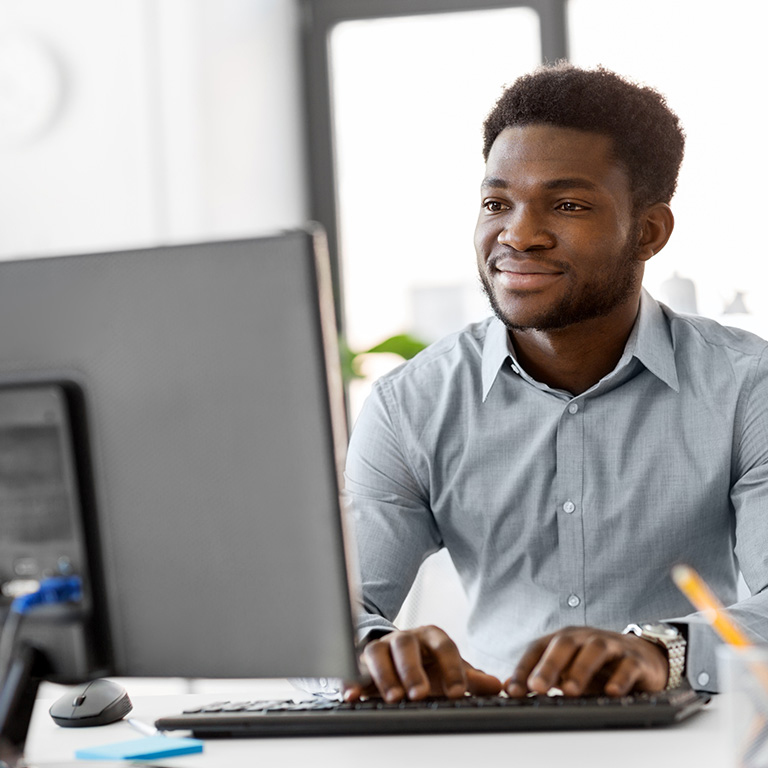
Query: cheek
(598, 248)
(479, 248)
(483, 241)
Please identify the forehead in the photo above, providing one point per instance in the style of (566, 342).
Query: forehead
(533, 155)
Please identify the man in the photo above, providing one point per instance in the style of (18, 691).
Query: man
(570, 450)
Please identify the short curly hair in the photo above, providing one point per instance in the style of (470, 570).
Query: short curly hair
(647, 136)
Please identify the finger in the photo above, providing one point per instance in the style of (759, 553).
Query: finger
(481, 683)
(588, 661)
(450, 665)
(351, 691)
(628, 671)
(517, 683)
(557, 657)
(407, 657)
(361, 687)
(378, 659)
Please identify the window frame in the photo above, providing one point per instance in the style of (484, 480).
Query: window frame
(319, 17)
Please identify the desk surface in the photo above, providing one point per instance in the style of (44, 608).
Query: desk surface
(697, 742)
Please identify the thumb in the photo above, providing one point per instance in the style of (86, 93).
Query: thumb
(351, 691)
(481, 683)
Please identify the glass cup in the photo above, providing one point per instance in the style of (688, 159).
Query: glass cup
(743, 674)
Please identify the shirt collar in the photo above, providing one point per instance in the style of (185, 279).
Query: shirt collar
(654, 347)
(650, 342)
(496, 351)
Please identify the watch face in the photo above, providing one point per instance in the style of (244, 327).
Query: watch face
(662, 630)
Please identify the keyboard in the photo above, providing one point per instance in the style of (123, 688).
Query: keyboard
(324, 717)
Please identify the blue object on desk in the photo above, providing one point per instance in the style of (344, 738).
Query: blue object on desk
(142, 749)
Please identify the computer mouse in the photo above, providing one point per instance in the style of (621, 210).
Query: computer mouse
(98, 702)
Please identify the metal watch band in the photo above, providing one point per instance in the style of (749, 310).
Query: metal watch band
(674, 645)
(676, 661)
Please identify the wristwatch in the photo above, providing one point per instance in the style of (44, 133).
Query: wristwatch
(670, 639)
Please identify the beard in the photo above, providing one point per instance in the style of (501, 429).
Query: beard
(597, 298)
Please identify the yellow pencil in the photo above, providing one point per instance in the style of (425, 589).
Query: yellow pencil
(703, 599)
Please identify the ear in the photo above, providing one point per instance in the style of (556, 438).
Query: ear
(656, 225)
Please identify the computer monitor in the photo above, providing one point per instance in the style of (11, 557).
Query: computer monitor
(201, 386)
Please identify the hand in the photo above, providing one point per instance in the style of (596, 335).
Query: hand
(581, 660)
(417, 663)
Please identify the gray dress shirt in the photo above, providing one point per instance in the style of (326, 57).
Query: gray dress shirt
(561, 510)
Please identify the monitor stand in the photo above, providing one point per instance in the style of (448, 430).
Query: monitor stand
(26, 669)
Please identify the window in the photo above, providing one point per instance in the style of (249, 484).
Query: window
(409, 96)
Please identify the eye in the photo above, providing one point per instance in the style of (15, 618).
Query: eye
(571, 207)
(494, 206)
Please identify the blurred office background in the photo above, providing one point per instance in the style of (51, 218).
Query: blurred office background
(136, 122)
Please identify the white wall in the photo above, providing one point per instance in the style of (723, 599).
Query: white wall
(130, 123)
(134, 122)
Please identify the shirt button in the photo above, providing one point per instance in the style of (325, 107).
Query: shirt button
(573, 408)
(702, 679)
(515, 368)
(574, 601)
(569, 507)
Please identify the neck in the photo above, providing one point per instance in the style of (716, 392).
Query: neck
(577, 357)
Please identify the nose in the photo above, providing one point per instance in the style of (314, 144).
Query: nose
(524, 230)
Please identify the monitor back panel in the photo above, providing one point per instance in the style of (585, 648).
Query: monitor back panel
(214, 469)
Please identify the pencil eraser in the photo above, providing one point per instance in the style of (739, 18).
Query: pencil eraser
(142, 749)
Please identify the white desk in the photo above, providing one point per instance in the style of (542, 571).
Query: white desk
(697, 743)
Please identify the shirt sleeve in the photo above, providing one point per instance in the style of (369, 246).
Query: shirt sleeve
(749, 504)
(392, 522)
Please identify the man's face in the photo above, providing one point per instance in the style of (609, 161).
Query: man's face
(556, 240)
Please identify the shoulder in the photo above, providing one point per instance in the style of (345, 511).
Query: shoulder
(455, 359)
(433, 386)
(717, 364)
(693, 334)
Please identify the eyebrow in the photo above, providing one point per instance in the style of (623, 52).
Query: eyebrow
(572, 183)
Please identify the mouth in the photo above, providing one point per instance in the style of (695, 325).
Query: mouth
(515, 275)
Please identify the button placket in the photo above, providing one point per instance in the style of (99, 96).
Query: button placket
(571, 554)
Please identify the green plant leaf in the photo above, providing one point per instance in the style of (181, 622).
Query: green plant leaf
(349, 364)
(402, 344)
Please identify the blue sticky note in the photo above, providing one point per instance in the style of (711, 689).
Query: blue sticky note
(142, 749)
